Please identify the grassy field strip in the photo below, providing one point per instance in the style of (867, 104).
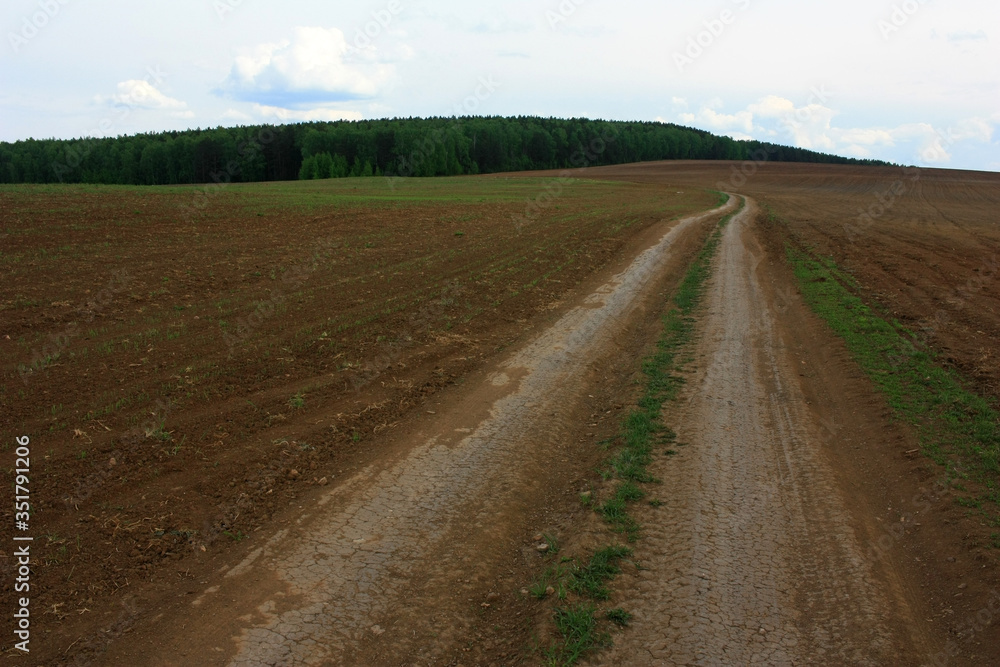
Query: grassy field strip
(642, 431)
(958, 429)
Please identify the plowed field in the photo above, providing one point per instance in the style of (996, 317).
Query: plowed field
(182, 380)
(343, 423)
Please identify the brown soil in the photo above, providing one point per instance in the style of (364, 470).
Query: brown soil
(162, 437)
(447, 445)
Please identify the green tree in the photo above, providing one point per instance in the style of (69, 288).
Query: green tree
(309, 170)
(325, 166)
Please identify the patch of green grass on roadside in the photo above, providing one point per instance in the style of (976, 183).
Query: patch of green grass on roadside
(591, 579)
(578, 628)
(618, 616)
(577, 624)
(958, 429)
(556, 576)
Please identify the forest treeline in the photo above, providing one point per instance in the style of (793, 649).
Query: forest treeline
(394, 147)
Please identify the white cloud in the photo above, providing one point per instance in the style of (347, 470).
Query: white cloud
(871, 136)
(932, 148)
(811, 126)
(808, 126)
(773, 106)
(289, 115)
(741, 121)
(233, 114)
(977, 129)
(313, 66)
(292, 60)
(142, 94)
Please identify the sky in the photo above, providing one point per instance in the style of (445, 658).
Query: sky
(908, 81)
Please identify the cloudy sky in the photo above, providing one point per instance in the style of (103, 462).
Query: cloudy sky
(911, 81)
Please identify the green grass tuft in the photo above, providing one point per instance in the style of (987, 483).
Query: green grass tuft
(618, 616)
(578, 629)
(591, 580)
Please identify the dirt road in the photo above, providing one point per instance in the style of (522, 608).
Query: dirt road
(752, 559)
(376, 571)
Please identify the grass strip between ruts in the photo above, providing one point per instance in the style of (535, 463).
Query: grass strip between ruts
(642, 430)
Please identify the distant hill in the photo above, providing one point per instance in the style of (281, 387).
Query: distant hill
(392, 147)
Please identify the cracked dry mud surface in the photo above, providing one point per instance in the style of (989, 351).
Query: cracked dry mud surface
(367, 564)
(751, 559)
